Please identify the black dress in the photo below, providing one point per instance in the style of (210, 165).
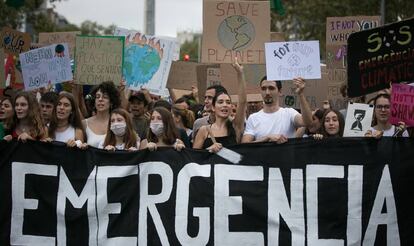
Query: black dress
(225, 141)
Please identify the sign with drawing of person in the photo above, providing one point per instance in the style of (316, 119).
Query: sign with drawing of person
(235, 28)
(287, 60)
(358, 119)
(147, 60)
(46, 65)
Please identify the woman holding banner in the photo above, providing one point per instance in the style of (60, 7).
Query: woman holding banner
(6, 116)
(66, 124)
(382, 126)
(27, 123)
(224, 131)
(120, 133)
(106, 98)
(333, 124)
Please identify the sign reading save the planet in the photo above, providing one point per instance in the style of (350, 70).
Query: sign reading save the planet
(147, 60)
(44, 66)
(98, 59)
(235, 28)
(287, 60)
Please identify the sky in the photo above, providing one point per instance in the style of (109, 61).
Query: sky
(171, 16)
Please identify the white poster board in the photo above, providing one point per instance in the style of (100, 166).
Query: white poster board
(287, 60)
(44, 66)
(147, 60)
(358, 119)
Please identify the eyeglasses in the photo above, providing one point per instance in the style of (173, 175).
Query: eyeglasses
(380, 107)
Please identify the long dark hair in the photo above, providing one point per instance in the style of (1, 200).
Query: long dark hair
(130, 138)
(229, 124)
(340, 120)
(7, 123)
(170, 133)
(74, 118)
(37, 129)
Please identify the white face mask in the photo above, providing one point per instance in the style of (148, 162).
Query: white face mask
(157, 128)
(118, 128)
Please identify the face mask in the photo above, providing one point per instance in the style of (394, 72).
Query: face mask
(118, 128)
(157, 128)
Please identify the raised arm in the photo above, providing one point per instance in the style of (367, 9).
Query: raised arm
(240, 117)
(305, 119)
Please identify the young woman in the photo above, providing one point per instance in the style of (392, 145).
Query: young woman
(106, 97)
(382, 113)
(66, 125)
(332, 125)
(6, 116)
(120, 133)
(27, 122)
(162, 130)
(224, 131)
(314, 128)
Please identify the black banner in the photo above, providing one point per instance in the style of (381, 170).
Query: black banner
(379, 56)
(350, 191)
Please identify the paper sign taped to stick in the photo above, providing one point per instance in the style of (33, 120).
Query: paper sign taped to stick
(44, 66)
(14, 42)
(287, 60)
(402, 101)
(98, 59)
(358, 119)
(148, 60)
(235, 28)
(183, 75)
(60, 37)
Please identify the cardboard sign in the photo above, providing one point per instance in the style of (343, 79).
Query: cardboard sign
(44, 66)
(14, 42)
(98, 59)
(338, 29)
(379, 56)
(402, 104)
(213, 76)
(253, 73)
(315, 92)
(235, 28)
(206, 74)
(2, 72)
(183, 75)
(287, 60)
(148, 60)
(358, 119)
(60, 37)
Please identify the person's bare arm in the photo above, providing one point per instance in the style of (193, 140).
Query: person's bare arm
(242, 104)
(304, 119)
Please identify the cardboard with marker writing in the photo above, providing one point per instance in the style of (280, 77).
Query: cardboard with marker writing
(48, 38)
(14, 42)
(235, 28)
(182, 75)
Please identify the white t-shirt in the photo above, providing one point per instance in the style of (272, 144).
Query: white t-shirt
(390, 132)
(263, 124)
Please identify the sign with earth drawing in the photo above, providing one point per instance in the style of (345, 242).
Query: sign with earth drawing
(287, 60)
(235, 28)
(147, 60)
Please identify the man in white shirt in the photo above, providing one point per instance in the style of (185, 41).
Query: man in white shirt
(274, 123)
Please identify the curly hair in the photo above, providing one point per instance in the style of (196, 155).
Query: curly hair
(170, 133)
(37, 130)
(108, 87)
(130, 138)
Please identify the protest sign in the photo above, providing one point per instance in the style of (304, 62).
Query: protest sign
(315, 92)
(253, 73)
(379, 56)
(14, 42)
(45, 66)
(47, 38)
(402, 104)
(207, 75)
(287, 60)
(182, 75)
(2, 72)
(98, 59)
(148, 60)
(338, 190)
(235, 28)
(358, 119)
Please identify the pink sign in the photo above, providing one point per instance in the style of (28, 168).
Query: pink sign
(402, 101)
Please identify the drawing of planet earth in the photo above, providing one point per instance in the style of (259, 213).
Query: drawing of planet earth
(141, 62)
(236, 32)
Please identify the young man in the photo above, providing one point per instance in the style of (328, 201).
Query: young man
(138, 107)
(47, 104)
(208, 104)
(274, 123)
